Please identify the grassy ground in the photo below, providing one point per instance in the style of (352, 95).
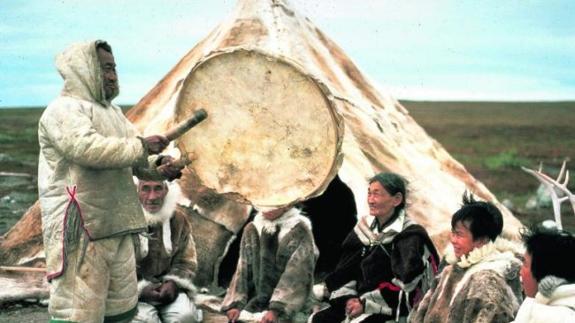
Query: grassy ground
(18, 154)
(492, 140)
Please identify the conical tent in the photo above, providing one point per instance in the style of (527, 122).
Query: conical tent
(378, 133)
(284, 97)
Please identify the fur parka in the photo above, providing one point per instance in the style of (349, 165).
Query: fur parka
(480, 287)
(276, 266)
(388, 270)
(88, 153)
(167, 251)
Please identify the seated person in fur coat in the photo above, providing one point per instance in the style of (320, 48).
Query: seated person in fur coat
(480, 282)
(387, 261)
(274, 275)
(166, 263)
(548, 276)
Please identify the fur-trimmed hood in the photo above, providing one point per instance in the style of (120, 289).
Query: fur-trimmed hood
(80, 68)
(556, 291)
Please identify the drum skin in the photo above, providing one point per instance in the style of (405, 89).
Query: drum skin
(272, 136)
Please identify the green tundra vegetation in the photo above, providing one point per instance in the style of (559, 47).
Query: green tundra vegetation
(491, 139)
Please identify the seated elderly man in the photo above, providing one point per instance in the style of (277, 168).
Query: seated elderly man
(548, 276)
(274, 275)
(166, 254)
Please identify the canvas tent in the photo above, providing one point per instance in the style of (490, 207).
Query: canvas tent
(378, 133)
(370, 131)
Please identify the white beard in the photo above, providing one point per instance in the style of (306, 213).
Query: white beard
(168, 208)
(162, 217)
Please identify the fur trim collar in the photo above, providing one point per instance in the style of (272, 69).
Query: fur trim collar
(285, 223)
(492, 251)
(370, 238)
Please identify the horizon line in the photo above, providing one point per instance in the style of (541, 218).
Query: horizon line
(126, 105)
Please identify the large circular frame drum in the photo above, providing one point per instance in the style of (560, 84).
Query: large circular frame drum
(272, 136)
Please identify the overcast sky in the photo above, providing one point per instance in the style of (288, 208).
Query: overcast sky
(422, 50)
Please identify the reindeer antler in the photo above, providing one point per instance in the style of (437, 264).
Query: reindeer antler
(555, 186)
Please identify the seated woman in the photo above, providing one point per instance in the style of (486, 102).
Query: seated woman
(385, 261)
(548, 276)
(480, 282)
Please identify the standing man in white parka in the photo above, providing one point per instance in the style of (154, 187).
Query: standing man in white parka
(90, 208)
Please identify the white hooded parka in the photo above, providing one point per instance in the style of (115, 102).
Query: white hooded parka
(88, 152)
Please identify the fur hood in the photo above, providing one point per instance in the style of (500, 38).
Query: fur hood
(80, 68)
(285, 223)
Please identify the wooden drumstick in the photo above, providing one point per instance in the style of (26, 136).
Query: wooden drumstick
(186, 125)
